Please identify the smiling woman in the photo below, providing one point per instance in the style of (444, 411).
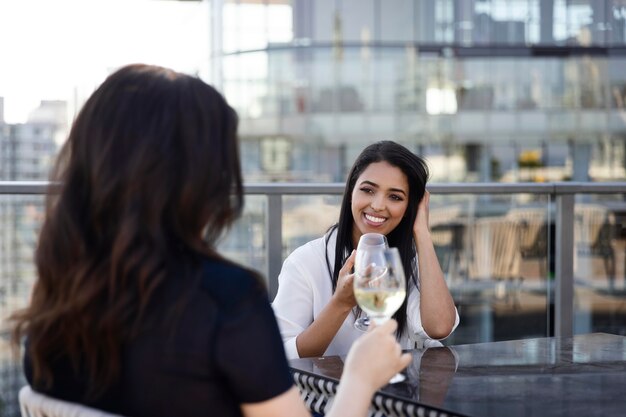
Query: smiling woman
(63, 49)
(379, 200)
(315, 306)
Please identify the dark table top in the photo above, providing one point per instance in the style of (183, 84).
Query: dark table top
(583, 375)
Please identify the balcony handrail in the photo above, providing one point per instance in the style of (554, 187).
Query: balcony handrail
(563, 193)
(553, 188)
(445, 49)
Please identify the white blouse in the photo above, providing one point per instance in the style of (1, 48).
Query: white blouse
(304, 289)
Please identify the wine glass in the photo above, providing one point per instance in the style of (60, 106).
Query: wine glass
(369, 247)
(380, 285)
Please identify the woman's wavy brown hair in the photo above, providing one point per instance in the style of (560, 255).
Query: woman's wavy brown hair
(151, 166)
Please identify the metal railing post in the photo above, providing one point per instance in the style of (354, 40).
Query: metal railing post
(564, 266)
(274, 241)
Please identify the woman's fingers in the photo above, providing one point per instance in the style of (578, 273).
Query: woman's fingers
(348, 265)
(404, 361)
(344, 294)
(377, 356)
(388, 327)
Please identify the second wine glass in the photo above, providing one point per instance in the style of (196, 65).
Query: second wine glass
(368, 250)
(380, 286)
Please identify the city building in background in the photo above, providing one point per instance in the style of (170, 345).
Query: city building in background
(27, 152)
(487, 91)
(492, 90)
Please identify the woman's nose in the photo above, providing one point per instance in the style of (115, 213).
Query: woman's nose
(378, 204)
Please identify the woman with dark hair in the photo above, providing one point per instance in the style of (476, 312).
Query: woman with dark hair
(134, 312)
(315, 306)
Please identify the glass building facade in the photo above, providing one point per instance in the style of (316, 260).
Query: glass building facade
(495, 90)
(487, 91)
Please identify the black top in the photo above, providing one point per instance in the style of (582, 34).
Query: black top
(224, 349)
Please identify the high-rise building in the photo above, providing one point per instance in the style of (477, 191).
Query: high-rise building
(27, 152)
(487, 90)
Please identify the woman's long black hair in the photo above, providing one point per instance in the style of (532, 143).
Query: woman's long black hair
(401, 237)
(151, 166)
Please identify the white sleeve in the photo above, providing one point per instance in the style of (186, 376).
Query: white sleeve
(293, 304)
(414, 321)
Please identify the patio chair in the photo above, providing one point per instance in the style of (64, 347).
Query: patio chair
(34, 404)
(533, 229)
(495, 256)
(448, 235)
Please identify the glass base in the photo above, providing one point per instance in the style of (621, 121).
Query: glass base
(397, 378)
(362, 323)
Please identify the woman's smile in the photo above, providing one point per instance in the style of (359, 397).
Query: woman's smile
(373, 219)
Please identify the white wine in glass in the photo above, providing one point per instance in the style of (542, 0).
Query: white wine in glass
(380, 286)
(368, 249)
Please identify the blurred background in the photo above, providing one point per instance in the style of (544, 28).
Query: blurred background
(488, 91)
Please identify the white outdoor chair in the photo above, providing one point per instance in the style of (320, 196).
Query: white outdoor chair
(34, 404)
(533, 230)
(495, 257)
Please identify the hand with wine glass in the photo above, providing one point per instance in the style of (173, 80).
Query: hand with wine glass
(379, 282)
(369, 250)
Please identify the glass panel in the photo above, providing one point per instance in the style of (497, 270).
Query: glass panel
(244, 26)
(475, 90)
(246, 84)
(617, 82)
(306, 218)
(580, 23)
(508, 21)
(326, 21)
(394, 26)
(496, 255)
(560, 22)
(607, 159)
(616, 22)
(353, 92)
(279, 23)
(547, 82)
(248, 26)
(426, 22)
(599, 278)
(20, 221)
(357, 21)
(444, 21)
(245, 242)
(27, 151)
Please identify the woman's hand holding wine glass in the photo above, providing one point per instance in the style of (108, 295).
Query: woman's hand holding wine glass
(379, 282)
(369, 250)
(376, 356)
(344, 293)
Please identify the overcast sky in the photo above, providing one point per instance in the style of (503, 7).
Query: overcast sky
(55, 49)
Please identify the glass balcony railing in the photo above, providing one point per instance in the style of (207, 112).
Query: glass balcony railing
(521, 260)
(551, 256)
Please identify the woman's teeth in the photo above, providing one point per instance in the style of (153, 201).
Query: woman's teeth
(374, 219)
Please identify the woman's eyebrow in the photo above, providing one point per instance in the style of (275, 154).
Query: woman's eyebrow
(373, 184)
(397, 190)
